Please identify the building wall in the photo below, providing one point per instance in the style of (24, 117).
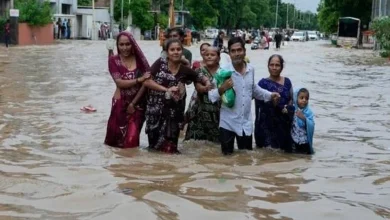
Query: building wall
(58, 6)
(102, 3)
(380, 8)
(29, 35)
(101, 14)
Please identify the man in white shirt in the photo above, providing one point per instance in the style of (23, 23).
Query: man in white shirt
(236, 122)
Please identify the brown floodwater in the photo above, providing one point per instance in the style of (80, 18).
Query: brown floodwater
(54, 165)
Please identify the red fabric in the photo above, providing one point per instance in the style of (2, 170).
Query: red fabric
(123, 129)
(7, 28)
(134, 129)
(196, 65)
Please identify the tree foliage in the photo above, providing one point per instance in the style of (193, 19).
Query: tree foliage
(85, 2)
(226, 14)
(142, 18)
(381, 28)
(34, 12)
(234, 14)
(329, 12)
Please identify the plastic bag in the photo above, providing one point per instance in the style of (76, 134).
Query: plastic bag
(229, 97)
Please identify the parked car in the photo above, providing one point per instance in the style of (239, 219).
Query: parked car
(211, 33)
(298, 36)
(313, 35)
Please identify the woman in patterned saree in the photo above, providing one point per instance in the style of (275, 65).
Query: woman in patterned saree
(203, 115)
(166, 98)
(274, 120)
(129, 69)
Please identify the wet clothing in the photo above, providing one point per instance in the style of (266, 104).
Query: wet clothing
(272, 126)
(227, 137)
(238, 119)
(123, 129)
(302, 131)
(298, 134)
(278, 40)
(301, 148)
(203, 115)
(164, 117)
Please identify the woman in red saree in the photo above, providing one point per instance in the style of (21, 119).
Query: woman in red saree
(129, 69)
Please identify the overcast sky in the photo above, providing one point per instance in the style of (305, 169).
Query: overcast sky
(305, 5)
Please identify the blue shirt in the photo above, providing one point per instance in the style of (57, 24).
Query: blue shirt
(239, 118)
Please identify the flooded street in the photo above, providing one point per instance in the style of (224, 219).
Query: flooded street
(54, 165)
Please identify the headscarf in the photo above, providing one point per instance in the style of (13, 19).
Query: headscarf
(142, 62)
(309, 124)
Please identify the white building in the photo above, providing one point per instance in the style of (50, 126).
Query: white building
(66, 7)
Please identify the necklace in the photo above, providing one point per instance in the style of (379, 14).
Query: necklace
(129, 63)
(174, 71)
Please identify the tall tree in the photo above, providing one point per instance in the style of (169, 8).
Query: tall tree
(329, 12)
(142, 18)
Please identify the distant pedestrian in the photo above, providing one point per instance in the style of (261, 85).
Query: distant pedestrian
(68, 28)
(59, 26)
(7, 31)
(218, 41)
(278, 39)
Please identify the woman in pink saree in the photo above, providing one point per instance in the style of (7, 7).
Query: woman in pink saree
(129, 69)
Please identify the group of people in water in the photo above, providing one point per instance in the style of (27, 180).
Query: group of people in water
(157, 94)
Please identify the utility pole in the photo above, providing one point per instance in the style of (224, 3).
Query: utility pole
(171, 14)
(122, 15)
(287, 17)
(129, 17)
(276, 13)
(93, 20)
(295, 9)
(111, 18)
(12, 4)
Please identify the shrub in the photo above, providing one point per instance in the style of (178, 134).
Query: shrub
(34, 12)
(381, 27)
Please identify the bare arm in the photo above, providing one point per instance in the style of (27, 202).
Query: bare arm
(151, 84)
(140, 93)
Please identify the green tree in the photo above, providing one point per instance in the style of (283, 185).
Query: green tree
(162, 20)
(85, 2)
(329, 12)
(202, 13)
(141, 15)
(142, 18)
(34, 12)
(233, 14)
(381, 28)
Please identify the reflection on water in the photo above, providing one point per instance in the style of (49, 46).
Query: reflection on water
(53, 164)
